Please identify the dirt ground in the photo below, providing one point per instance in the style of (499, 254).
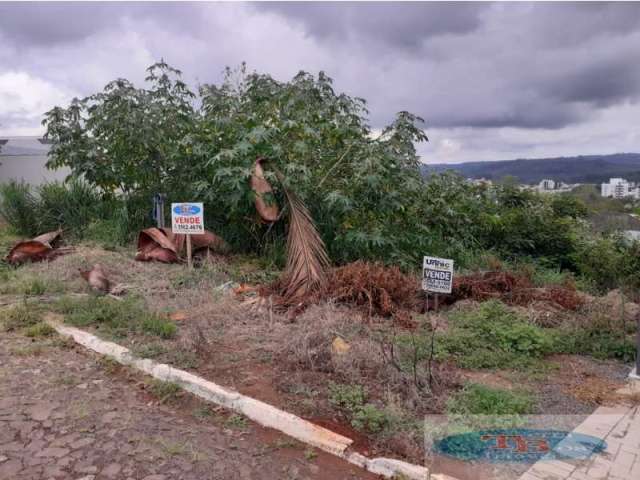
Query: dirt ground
(291, 363)
(66, 414)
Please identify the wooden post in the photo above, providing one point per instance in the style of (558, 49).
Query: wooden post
(189, 262)
(638, 345)
(161, 211)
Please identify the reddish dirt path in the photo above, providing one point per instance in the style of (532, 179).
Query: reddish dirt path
(65, 414)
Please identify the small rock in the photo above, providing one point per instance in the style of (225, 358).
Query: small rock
(87, 477)
(112, 470)
(3, 458)
(89, 469)
(53, 452)
(64, 462)
(10, 469)
(154, 477)
(53, 472)
(82, 386)
(41, 411)
(83, 442)
(109, 417)
(339, 346)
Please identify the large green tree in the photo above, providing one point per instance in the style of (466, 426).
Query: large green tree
(361, 187)
(126, 138)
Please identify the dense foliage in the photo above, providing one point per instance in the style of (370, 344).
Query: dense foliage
(77, 207)
(361, 190)
(364, 189)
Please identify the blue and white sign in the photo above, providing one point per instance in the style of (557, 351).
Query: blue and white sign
(187, 218)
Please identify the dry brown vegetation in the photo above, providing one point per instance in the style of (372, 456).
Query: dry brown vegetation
(514, 289)
(347, 340)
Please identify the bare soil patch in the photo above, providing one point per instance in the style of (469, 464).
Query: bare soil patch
(294, 364)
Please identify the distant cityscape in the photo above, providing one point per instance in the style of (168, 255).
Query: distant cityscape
(618, 188)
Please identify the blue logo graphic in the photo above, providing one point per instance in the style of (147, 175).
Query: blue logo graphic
(186, 209)
(519, 446)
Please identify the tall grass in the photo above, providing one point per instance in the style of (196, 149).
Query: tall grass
(72, 206)
(76, 207)
(18, 207)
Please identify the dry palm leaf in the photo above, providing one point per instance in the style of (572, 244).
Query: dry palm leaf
(162, 245)
(97, 279)
(49, 238)
(307, 258)
(268, 212)
(154, 244)
(35, 250)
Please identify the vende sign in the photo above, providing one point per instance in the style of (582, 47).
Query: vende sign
(187, 218)
(437, 274)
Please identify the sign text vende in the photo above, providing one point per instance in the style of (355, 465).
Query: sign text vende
(437, 274)
(187, 218)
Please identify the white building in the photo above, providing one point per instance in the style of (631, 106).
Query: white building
(546, 185)
(619, 188)
(551, 186)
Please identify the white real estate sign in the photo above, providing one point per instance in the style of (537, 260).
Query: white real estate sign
(187, 218)
(437, 274)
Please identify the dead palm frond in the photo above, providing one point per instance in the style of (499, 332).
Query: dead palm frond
(307, 258)
(268, 212)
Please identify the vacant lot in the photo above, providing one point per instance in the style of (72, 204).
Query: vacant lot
(372, 378)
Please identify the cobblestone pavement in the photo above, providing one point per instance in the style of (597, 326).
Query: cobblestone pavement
(620, 428)
(67, 414)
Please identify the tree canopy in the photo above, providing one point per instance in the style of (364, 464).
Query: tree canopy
(363, 188)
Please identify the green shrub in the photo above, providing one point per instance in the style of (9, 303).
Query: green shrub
(40, 329)
(104, 233)
(19, 316)
(165, 391)
(18, 207)
(117, 318)
(27, 284)
(76, 207)
(492, 337)
(475, 399)
(597, 342)
(602, 261)
(150, 350)
(72, 206)
(35, 287)
(364, 416)
(156, 325)
(347, 397)
(237, 421)
(370, 418)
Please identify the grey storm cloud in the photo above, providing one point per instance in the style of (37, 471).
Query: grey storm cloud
(476, 67)
(52, 23)
(398, 24)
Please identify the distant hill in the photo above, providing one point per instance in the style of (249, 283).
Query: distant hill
(582, 169)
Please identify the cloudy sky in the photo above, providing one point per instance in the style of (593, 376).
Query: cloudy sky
(492, 80)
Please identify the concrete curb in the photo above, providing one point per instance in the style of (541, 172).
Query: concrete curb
(260, 412)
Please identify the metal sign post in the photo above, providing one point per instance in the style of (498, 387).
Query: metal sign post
(158, 209)
(437, 278)
(638, 346)
(189, 263)
(187, 219)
